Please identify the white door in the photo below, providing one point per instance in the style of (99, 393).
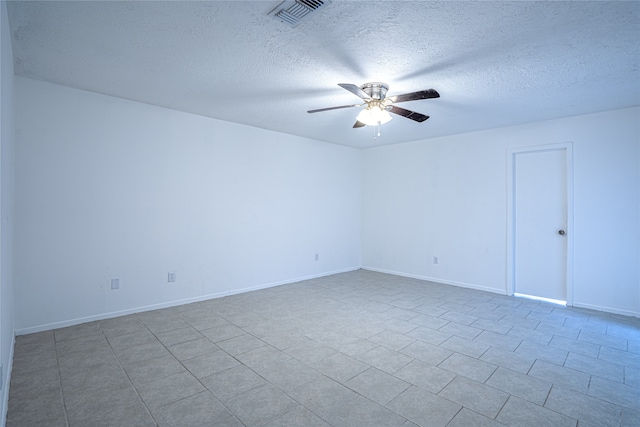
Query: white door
(539, 222)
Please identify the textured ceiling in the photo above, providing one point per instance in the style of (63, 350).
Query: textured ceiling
(494, 63)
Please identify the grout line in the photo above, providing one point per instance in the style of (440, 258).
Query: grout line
(64, 403)
(127, 375)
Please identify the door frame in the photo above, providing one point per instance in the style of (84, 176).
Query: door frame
(511, 255)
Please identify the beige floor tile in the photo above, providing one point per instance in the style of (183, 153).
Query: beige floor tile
(353, 349)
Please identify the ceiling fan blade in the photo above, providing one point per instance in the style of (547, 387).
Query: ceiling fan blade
(408, 114)
(413, 96)
(358, 124)
(354, 90)
(333, 108)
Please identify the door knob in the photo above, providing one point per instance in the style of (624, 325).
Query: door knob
(561, 232)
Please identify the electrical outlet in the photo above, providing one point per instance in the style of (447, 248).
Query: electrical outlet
(317, 257)
(115, 283)
(171, 277)
(435, 259)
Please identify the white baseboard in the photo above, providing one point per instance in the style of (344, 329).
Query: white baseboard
(499, 291)
(103, 316)
(77, 321)
(438, 280)
(607, 309)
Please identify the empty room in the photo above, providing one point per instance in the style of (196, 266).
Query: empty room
(320, 213)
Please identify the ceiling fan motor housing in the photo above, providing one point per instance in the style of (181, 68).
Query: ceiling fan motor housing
(375, 90)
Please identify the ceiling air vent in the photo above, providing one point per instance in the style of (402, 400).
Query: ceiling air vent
(293, 12)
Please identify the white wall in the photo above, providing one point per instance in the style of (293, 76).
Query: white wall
(110, 188)
(6, 208)
(446, 197)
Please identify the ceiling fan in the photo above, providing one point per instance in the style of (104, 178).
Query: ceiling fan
(378, 106)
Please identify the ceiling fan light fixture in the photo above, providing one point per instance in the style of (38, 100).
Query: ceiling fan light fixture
(374, 116)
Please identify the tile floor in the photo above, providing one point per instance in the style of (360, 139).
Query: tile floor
(353, 349)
